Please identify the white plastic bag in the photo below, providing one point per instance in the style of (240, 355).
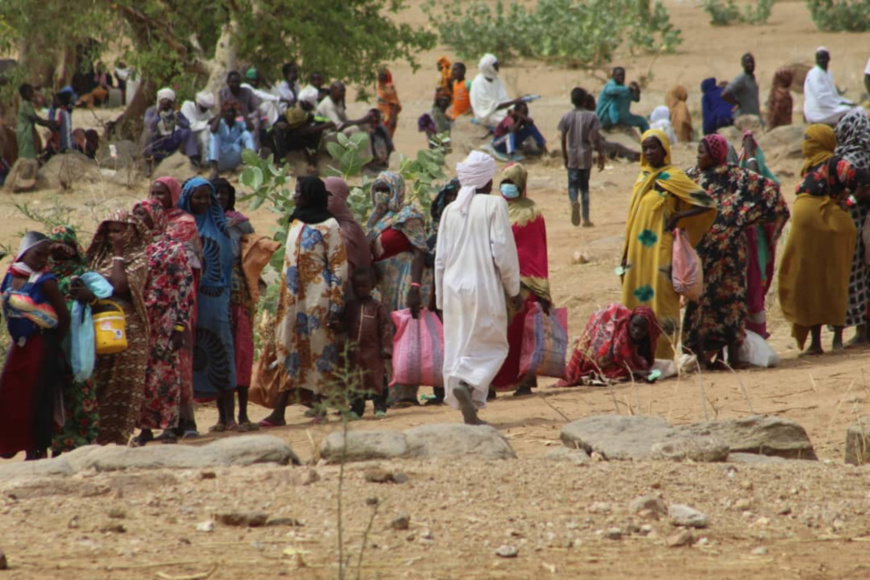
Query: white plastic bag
(756, 352)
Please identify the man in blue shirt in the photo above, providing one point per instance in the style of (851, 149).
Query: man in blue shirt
(229, 136)
(615, 100)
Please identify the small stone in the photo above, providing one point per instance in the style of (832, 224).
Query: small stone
(599, 508)
(4, 565)
(402, 522)
(427, 535)
(411, 537)
(400, 478)
(681, 538)
(838, 525)
(243, 519)
(114, 529)
(784, 510)
(761, 522)
(649, 515)
(117, 514)
(613, 534)
(207, 475)
(289, 522)
(372, 501)
(649, 503)
(760, 551)
(207, 526)
(73, 523)
(683, 515)
(377, 475)
(580, 257)
(646, 530)
(747, 485)
(506, 551)
(743, 504)
(308, 477)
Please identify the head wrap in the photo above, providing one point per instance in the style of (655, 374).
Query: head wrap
(213, 218)
(474, 173)
(315, 210)
(251, 74)
(165, 93)
(389, 76)
(853, 138)
(783, 77)
(518, 175)
(28, 242)
(818, 146)
(660, 114)
(717, 147)
(205, 99)
(155, 210)
(487, 66)
(358, 250)
(309, 95)
(173, 186)
(823, 49)
(440, 202)
(394, 198)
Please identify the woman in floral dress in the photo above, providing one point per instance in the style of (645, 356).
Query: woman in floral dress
(396, 231)
(80, 400)
(169, 300)
(311, 298)
(744, 200)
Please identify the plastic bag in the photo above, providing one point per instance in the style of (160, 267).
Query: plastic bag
(545, 342)
(757, 352)
(687, 273)
(418, 349)
(82, 342)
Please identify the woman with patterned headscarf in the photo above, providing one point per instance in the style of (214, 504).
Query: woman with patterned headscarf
(397, 236)
(119, 253)
(744, 199)
(853, 145)
(214, 372)
(530, 234)
(169, 300)
(664, 198)
(815, 267)
(81, 423)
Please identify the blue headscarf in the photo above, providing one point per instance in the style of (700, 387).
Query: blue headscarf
(214, 366)
(715, 110)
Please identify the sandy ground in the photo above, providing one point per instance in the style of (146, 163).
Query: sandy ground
(810, 518)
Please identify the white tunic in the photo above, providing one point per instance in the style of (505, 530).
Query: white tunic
(822, 102)
(486, 96)
(475, 264)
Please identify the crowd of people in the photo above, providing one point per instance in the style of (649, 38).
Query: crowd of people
(181, 269)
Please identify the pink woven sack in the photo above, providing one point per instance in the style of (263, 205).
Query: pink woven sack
(687, 274)
(418, 349)
(545, 342)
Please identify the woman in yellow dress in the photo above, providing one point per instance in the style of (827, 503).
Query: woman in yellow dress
(664, 198)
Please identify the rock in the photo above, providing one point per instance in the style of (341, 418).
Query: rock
(70, 169)
(649, 515)
(784, 511)
(599, 508)
(363, 446)
(31, 488)
(458, 440)
(117, 514)
(733, 134)
(207, 526)
(243, 519)
(753, 458)
(24, 471)
(743, 504)
(576, 456)
(580, 258)
(760, 551)
(400, 477)
(649, 503)
(506, 551)
(681, 538)
(289, 522)
(858, 442)
(646, 530)
(114, 529)
(308, 477)
(176, 165)
(4, 564)
(700, 449)
(784, 141)
(251, 449)
(683, 515)
(378, 475)
(616, 436)
(401, 522)
(208, 474)
(758, 434)
(613, 534)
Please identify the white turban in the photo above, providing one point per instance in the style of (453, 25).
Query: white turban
(205, 100)
(661, 113)
(309, 95)
(487, 66)
(475, 172)
(165, 94)
(823, 49)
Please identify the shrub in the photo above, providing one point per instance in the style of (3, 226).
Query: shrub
(580, 33)
(840, 15)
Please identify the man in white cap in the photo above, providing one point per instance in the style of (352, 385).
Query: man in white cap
(489, 97)
(822, 100)
(476, 266)
(167, 131)
(199, 113)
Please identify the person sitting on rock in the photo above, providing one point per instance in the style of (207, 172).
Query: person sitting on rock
(615, 100)
(229, 137)
(167, 131)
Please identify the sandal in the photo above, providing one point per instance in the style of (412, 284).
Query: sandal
(168, 437)
(248, 426)
(218, 428)
(142, 439)
(267, 424)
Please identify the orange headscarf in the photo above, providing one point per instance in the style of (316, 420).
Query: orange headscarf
(445, 83)
(681, 119)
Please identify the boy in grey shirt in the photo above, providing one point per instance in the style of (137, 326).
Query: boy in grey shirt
(580, 131)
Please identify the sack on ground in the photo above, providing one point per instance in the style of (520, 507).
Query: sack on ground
(545, 342)
(418, 349)
(756, 352)
(687, 274)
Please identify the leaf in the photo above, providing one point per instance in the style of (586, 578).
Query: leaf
(342, 139)
(358, 139)
(335, 150)
(252, 177)
(258, 201)
(250, 157)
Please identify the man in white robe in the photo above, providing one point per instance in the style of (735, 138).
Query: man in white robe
(200, 114)
(476, 264)
(489, 97)
(822, 100)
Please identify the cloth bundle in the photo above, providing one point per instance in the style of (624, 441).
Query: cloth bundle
(418, 349)
(545, 342)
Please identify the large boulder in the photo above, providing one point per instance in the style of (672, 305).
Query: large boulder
(176, 165)
(437, 440)
(758, 434)
(858, 442)
(67, 170)
(616, 436)
(783, 142)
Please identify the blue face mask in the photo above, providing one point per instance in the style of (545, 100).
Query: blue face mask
(510, 191)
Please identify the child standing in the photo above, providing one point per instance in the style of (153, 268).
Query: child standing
(461, 91)
(581, 132)
(370, 334)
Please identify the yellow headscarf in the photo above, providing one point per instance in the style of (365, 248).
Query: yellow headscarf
(521, 210)
(819, 144)
(673, 180)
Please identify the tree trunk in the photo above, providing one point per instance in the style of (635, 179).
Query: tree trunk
(224, 58)
(129, 124)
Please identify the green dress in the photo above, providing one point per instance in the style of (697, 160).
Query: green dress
(24, 131)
